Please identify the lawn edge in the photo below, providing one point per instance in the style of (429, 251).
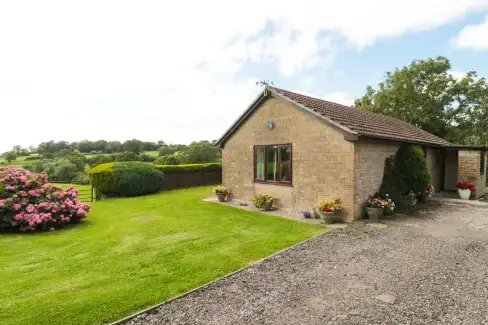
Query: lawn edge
(149, 309)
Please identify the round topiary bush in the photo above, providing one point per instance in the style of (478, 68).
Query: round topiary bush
(126, 179)
(28, 202)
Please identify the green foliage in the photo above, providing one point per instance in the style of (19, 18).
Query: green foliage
(201, 152)
(81, 178)
(10, 155)
(411, 168)
(406, 171)
(134, 145)
(426, 95)
(31, 158)
(102, 178)
(187, 168)
(64, 166)
(100, 159)
(127, 156)
(64, 169)
(196, 152)
(126, 179)
(167, 160)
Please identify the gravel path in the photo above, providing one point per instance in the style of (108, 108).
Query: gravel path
(428, 269)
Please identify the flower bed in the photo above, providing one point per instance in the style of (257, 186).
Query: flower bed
(28, 202)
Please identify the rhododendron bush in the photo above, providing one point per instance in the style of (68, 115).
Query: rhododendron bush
(28, 202)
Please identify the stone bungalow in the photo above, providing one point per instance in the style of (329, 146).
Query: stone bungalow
(302, 149)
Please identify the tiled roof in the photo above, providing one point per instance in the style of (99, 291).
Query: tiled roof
(365, 123)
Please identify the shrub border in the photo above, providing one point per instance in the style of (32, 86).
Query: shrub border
(187, 168)
(203, 286)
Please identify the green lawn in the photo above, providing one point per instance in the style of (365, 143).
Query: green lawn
(130, 254)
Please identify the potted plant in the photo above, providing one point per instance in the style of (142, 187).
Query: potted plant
(427, 194)
(375, 207)
(263, 201)
(464, 190)
(329, 209)
(390, 207)
(306, 214)
(410, 199)
(221, 192)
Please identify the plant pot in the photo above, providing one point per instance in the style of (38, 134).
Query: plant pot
(424, 198)
(328, 217)
(388, 212)
(464, 194)
(374, 213)
(409, 203)
(221, 196)
(267, 206)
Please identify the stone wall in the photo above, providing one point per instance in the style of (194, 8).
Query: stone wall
(369, 161)
(323, 162)
(469, 169)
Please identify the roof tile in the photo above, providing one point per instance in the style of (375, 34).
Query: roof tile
(365, 123)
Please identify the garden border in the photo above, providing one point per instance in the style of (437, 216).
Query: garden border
(149, 309)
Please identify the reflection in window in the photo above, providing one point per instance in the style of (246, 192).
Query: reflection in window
(260, 163)
(273, 163)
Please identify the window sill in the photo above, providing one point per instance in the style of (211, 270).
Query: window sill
(273, 183)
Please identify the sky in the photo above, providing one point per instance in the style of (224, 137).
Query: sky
(183, 71)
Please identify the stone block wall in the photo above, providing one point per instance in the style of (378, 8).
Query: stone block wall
(469, 169)
(323, 162)
(369, 161)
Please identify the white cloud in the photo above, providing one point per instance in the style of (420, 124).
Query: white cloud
(473, 37)
(340, 98)
(158, 70)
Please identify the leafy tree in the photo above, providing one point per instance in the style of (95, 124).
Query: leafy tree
(201, 152)
(17, 149)
(423, 94)
(133, 145)
(114, 146)
(65, 170)
(149, 146)
(168, 160)
(169, 149)
(10, 155)
(426, 95)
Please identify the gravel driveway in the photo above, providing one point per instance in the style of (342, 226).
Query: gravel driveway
(431, 268)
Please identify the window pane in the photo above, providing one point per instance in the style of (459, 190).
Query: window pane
(259, 159)
(285, 157)
(272, 160)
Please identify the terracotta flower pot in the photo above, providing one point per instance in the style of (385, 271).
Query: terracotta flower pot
(328, 217)
(374, 213)
(221, 196)
(464, 194)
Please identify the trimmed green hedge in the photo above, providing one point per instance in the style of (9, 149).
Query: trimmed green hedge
(189, 168)
(131, 178)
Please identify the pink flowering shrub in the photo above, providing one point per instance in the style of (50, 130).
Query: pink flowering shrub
(28, 202)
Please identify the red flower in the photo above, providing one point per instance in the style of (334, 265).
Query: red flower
(465, 186)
